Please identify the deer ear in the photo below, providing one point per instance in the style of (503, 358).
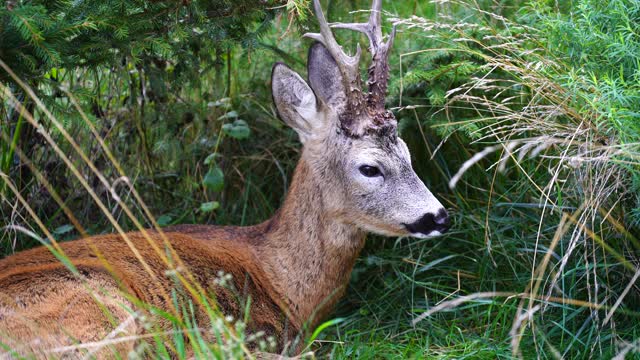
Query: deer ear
(325, 77)
(295, 101)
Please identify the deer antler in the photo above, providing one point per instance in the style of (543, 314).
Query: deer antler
(379, 69)
(348, 65)
(378, 72)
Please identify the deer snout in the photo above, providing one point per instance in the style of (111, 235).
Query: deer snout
(430, 224)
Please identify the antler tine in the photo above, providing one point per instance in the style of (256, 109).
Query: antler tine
(372, 28)
(379, 68)
(378, 71)
(348, 65)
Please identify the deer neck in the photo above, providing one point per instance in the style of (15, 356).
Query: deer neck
(308, 251)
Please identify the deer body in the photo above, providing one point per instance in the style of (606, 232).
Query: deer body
(46, 302)
(354, 176)
(293, 270)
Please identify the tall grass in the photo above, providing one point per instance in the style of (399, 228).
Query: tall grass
(527, 110)
(544, 262)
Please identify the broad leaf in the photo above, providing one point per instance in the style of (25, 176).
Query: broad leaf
(214, 179)
(209, 206)
(237, 130)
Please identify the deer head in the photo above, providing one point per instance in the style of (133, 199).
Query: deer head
(350, 140)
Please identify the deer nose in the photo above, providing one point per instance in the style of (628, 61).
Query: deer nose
(430, 222)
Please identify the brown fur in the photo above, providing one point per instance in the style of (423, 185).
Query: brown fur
(294, 267)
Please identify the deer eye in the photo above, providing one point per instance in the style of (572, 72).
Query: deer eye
(370, 171)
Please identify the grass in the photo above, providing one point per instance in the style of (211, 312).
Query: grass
(532, 237)
(542, 260)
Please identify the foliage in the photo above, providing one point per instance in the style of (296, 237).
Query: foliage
(602, 50)
(556, 223)
(40, 35)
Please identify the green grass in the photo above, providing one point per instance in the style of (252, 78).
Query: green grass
(545, 224)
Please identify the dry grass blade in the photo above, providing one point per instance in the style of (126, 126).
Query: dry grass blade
(172, 262)
(554, 137)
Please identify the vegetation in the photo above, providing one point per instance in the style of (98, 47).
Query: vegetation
(160, 113)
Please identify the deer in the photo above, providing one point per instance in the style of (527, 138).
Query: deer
(354, 176)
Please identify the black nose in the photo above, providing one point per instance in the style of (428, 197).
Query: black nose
(430, 222)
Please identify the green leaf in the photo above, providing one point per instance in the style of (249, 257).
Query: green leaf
(238, 130)
(211, 158)
(437, 96)
(323, 326)
(209, 206)
(121, 32)
(221, 102)
(214, 179)
(63, 229)
(164, 220)
(230, 115)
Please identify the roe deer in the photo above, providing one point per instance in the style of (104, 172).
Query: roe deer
(354, 176)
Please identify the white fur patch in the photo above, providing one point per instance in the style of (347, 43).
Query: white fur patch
(433, 234)
(307, 108)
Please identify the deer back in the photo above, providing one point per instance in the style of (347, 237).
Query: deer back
(37, 291)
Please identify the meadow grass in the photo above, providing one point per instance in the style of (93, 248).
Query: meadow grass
(521, 117)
